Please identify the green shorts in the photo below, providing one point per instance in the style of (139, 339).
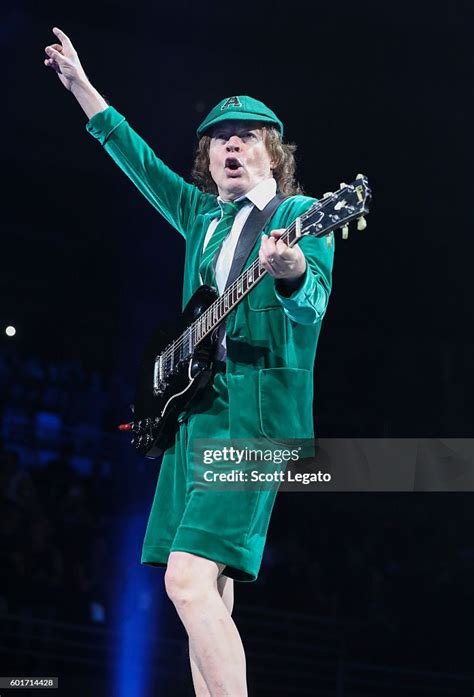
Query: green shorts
(229, 527)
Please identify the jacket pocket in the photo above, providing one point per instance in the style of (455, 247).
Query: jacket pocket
(286, 404)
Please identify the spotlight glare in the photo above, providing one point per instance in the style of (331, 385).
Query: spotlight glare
(10, 331)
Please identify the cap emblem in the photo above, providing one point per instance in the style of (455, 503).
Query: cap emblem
(232, 101)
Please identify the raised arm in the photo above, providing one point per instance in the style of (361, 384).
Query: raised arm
(63, 59)
(177, 200)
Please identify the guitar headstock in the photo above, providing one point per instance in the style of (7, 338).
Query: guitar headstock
(338, 209)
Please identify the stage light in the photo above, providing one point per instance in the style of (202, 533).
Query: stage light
(136, 610)
(10, 331)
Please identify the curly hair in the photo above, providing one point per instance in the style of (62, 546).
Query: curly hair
(281, 153)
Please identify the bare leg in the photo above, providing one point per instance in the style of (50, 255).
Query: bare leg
(192, 585)
(225, 586)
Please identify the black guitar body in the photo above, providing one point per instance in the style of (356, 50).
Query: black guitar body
(173, 372)
(156, 415)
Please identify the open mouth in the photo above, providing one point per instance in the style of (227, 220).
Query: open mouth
(233, 166)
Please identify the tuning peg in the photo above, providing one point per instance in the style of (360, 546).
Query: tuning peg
(327, 194)
(361, 223)
(329, 239)
(342, 185)
(360, 176)
(345, 232)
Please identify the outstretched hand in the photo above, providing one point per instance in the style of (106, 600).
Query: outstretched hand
(64, 60)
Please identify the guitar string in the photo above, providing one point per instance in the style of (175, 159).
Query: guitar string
(187, 335)
(254, 266)
(234, 286)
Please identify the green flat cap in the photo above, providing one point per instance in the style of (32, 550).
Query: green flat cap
(239, 108)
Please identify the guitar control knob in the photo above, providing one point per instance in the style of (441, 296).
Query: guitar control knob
(141, 426)
(144, 443)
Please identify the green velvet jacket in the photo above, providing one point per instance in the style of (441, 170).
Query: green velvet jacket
(271, 339)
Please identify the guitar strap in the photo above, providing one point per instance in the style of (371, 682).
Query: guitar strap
(249, 234)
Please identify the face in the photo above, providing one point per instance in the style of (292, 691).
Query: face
(238, 158)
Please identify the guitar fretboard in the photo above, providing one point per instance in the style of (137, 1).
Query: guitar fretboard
(211, 318)
(324, 216)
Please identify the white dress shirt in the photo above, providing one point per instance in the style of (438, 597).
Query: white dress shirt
(259, 196)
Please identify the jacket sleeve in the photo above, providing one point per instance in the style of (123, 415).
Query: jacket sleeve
(307, 304)
(177, 200)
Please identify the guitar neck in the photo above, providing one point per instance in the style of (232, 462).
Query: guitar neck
(236, 292)
(334, 210)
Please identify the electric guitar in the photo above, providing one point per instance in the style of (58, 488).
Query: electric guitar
(174, 372)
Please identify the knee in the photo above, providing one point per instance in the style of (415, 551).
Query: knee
(178, 586)
(182, 586)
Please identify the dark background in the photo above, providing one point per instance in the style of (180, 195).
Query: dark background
(88, 268)
(360, 87)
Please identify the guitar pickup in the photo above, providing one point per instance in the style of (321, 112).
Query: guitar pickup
(158, 374)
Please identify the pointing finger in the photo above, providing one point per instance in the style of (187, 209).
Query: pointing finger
(64, 39)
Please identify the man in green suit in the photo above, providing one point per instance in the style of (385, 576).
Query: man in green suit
(208, 538)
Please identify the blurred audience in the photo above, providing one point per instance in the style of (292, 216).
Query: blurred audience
(383, 560)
